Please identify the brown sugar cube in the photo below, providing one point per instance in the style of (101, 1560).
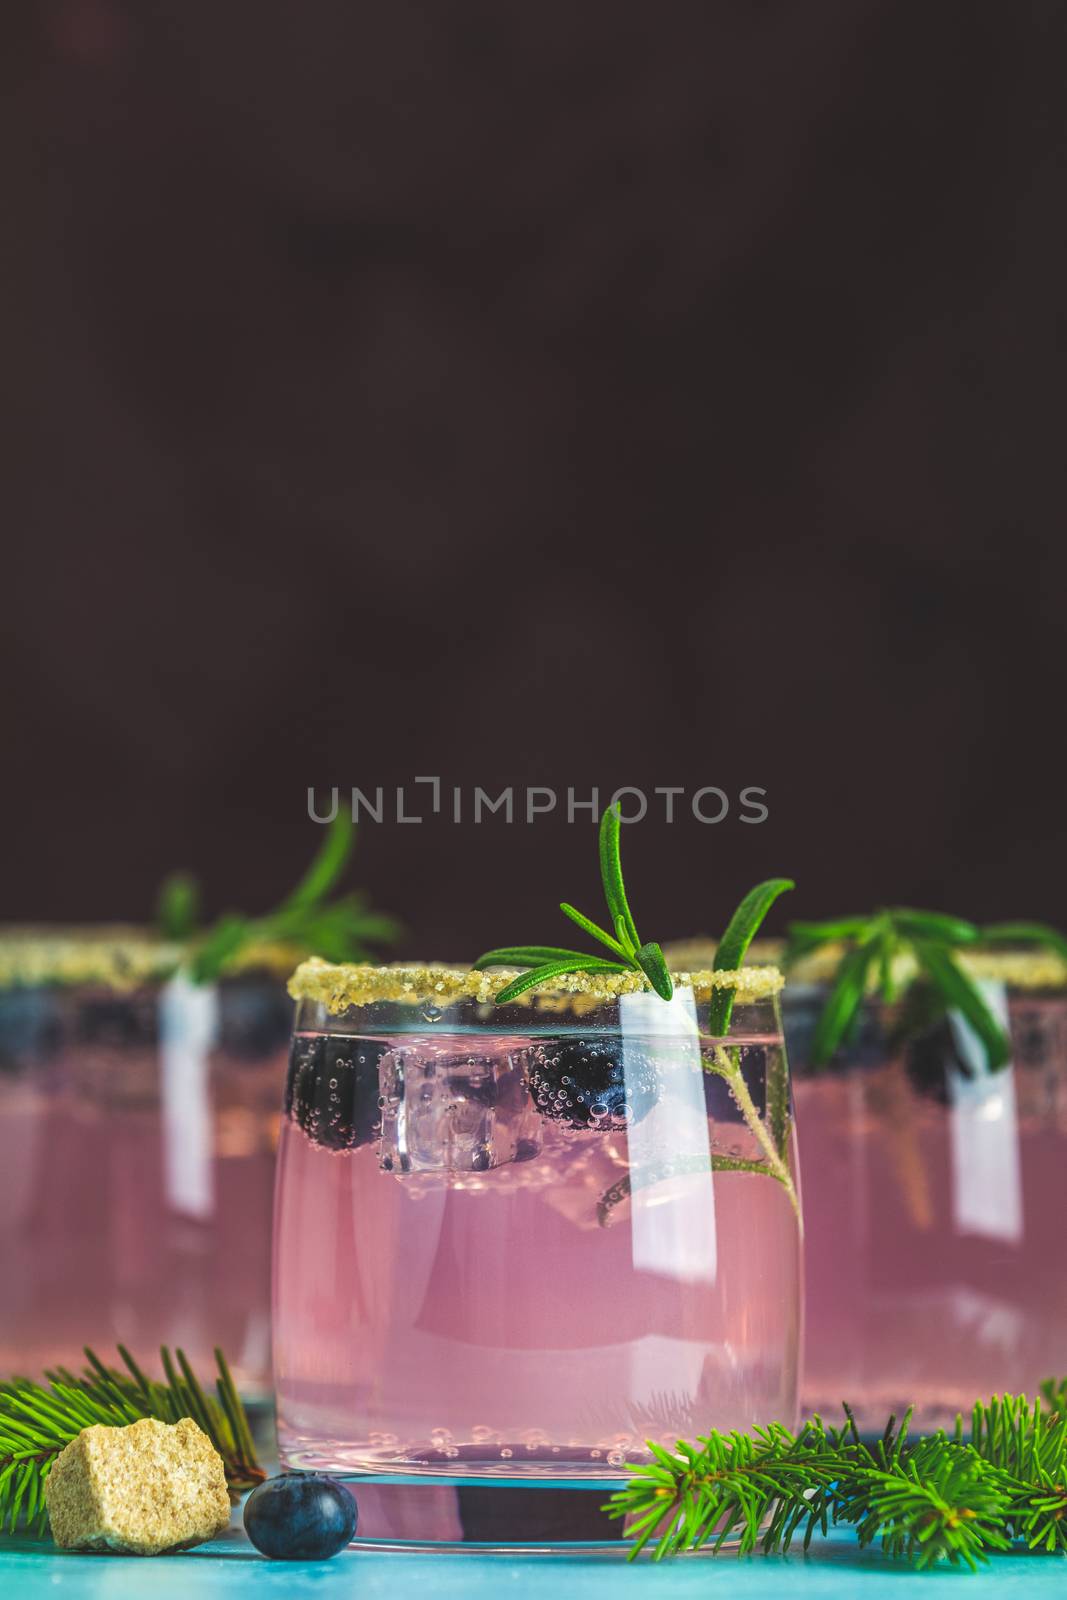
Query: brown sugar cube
(144, 1489)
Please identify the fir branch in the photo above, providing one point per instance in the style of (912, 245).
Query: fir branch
(935, 1501)
(1054, 1394)
(38, 1420)
(1028, 1446)
(935, 1498)
(758, 1486)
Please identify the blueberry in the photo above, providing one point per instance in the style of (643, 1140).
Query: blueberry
(300, 1516)
(31, 1028)
(931, 1056)
(119, 1022)
(581, 1083)
(1035, 1032)
(255, 1017)
(332, 1089)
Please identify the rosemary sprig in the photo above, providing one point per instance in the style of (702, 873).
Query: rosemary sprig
(670, 1167)
(872, 945)
(937, 1497)
(340, 929)
(549, 961)
(37, 1420)
(725, 1063)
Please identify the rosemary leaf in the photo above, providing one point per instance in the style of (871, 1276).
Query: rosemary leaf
(591, 928)
(554, 969)
(811, 934)
(740, 932)
(219, 947)
(611, 877)
(961, 992)
(1026, 933)
(844, 1002)
(747, 920)
(525, 955)
(325, 870)
(178, 907)
(934, 925)
(650, 959)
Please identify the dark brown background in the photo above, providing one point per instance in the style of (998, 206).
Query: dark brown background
(559, 394)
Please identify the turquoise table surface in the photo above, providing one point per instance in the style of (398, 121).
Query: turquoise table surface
(229, 1568)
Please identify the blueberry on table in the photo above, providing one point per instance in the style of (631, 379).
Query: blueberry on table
(300, 1516)
(582, 1082)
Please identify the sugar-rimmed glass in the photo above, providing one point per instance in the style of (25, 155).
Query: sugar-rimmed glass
(513, 1244)
(138, 1123)
(937, 1181)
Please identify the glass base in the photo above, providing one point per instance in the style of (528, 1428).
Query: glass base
(527, 1516)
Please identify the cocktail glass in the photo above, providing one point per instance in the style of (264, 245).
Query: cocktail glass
(514, 1244)
(932, 1198)
(138, 1124)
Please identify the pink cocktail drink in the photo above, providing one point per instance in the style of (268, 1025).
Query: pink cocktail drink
(136, 1172)
(934, 1229)
(510, 1253)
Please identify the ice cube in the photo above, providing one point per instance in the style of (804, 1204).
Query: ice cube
(455, 1105)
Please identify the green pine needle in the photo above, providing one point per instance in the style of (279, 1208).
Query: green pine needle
(935, 1498)
(38, 1420)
